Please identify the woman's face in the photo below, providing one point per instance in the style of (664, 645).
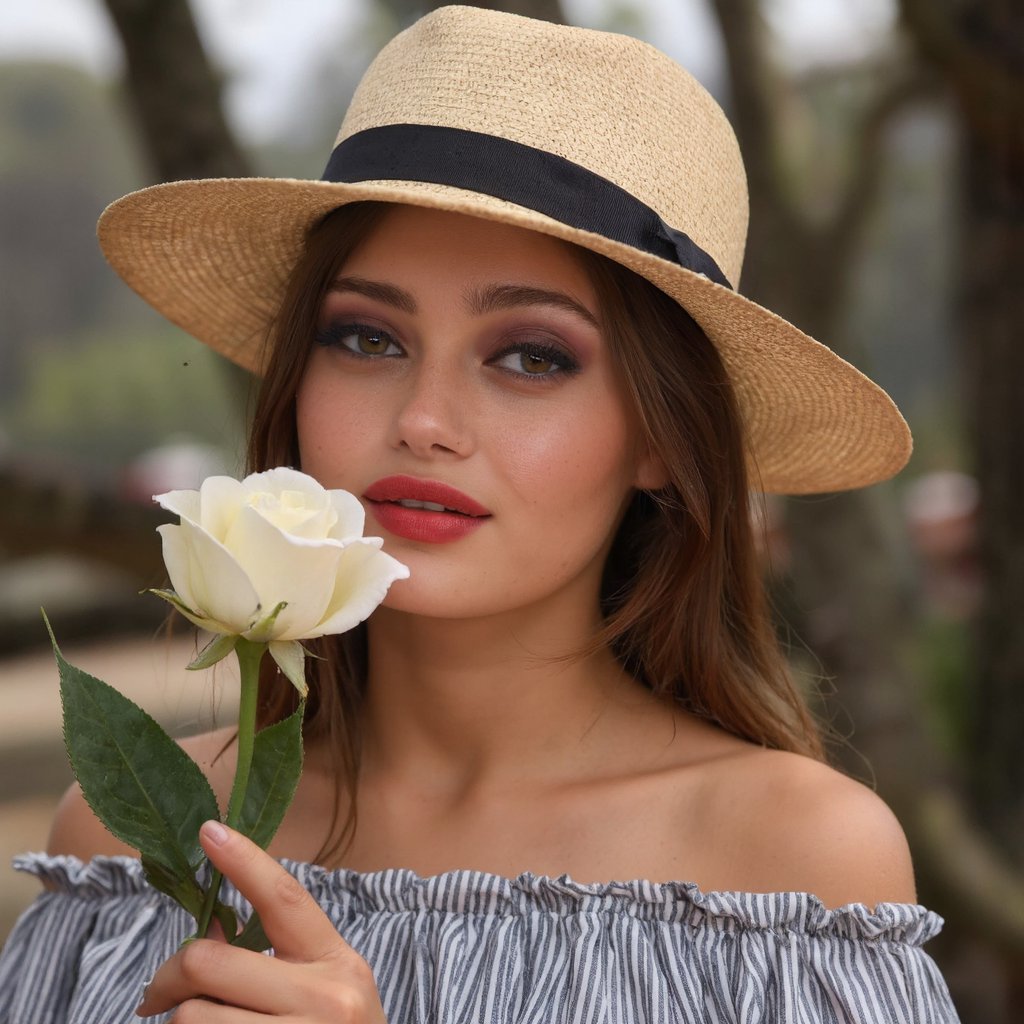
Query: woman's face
(459, 365)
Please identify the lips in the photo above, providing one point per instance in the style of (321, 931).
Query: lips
(402, 489)
(423, 510)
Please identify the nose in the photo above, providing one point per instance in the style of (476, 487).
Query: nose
(431, 418)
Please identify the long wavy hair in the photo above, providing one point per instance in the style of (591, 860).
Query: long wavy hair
(683, 595)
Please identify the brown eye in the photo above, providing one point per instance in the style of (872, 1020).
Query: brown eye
(539, 360)
(533, 364)
(359, 340)
(374, 344)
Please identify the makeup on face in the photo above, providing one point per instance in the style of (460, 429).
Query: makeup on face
(461, 385)
(423, 510)
(539, 334)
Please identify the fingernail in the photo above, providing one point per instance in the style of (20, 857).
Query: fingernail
(214, 832)
(138, 1009)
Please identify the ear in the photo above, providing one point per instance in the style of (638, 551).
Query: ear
(651, 474)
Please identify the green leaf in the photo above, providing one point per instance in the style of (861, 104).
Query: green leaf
(276, 767)
(144, 788)
(219, 647)
(252, 936)
(227, 920)
(185, 891)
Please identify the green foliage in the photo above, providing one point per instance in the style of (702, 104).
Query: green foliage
(110, 396)
(50, 110)
(150, 794)
(276, 767)
(144, 788)
(252, 936)
(185, 891)
(944, 659)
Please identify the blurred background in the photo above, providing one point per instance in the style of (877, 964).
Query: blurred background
(884, 141)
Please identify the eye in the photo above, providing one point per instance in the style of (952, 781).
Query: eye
(540, 360)
(360, 340)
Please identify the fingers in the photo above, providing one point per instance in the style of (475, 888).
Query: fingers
(297, 927)
(313, 976)
(202, 1011)
(215, 970)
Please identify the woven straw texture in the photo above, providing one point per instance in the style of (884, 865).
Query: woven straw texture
(214, 256)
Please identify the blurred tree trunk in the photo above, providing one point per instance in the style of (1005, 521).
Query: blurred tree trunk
(175, 97)
(405, 12)
(174, 92)
(851, 583)
(978, 48)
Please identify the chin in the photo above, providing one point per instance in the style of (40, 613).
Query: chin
(448, 601)
(405, 597)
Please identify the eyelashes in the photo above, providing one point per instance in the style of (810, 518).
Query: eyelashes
(370, 342)
(527, 358)
(535, 359)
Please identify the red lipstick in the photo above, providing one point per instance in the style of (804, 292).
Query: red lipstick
(397, 503)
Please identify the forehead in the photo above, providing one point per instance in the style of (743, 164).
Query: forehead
(434, 246)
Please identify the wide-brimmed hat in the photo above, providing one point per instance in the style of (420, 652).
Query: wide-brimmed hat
(591, 137)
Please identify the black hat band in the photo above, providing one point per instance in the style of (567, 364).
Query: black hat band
(519, 174)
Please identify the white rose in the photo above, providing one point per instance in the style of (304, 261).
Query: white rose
(275, 558)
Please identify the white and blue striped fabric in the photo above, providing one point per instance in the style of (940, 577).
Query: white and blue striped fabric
(473, 948)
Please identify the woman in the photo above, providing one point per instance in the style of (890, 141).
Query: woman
(505, 320)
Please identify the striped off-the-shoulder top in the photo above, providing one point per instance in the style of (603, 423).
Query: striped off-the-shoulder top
(468, 947)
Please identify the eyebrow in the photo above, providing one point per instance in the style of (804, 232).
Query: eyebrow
(480, 301)
(389, 294)
(496, 297)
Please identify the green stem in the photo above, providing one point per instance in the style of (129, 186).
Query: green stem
(249, 655)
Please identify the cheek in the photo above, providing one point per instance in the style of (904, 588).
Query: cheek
(322, 424)
(308, 425)
(579, 458)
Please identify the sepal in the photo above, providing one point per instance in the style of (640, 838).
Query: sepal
(290, 656)
(218, 648)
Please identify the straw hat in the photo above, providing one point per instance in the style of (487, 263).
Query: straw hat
(588, 136)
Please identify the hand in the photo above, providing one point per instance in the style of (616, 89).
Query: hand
(313, 976)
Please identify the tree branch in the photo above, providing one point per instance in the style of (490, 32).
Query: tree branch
(866, 162)
(978, 48)
(174, 92)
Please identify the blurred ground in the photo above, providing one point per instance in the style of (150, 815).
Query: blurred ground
(33, 765)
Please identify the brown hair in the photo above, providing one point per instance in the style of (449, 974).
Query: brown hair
(683, 597)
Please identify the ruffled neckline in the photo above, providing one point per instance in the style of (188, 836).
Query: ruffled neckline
(478, 893)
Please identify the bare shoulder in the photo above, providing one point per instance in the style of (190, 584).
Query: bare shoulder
(806, 827)
(77, 832)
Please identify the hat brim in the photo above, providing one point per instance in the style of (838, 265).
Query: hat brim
(214, 257)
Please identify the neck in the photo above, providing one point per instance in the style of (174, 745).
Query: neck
(486, 704)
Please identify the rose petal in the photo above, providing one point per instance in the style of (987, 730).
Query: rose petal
(351, 516)
(291, 660)
(177, 562)
(293, 501)
(364, 575)
(284, 568)
(220, 588)
(282, 478)
(295, 513)
(221, 498)
(181, 503)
